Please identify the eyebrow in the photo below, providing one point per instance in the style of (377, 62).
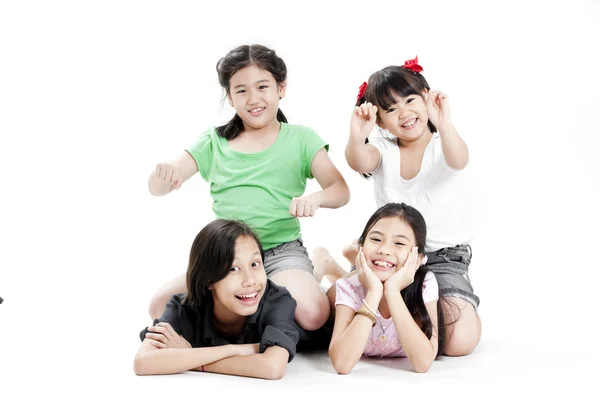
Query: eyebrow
(377, 232)
(261, 81)
(257, 253)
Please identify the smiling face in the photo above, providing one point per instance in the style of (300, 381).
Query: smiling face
(406, 119)
(255, 95)
(387, 246)
(239, 293)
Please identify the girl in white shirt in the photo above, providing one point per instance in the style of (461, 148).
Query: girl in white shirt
(419, 160)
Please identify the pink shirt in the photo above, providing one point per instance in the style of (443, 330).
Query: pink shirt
(383, 340)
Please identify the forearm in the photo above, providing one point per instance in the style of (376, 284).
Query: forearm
(347, 349)
(349, 346)
(269, 365)
(158, 186)
(334, 196)
(454, 147)
(173, 361)
(357, 154)
(418, 348)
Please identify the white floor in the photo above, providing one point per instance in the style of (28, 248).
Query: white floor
(47, 359)
(94, 94)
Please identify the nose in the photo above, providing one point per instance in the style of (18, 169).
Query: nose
(383, 251)
(248, 278)
(253, 97)
(403, 111)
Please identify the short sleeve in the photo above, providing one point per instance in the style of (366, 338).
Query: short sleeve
(312, 144)
(202, 151)
(173, 314)
(430, 288)
(279, 328)
(380, 144)
(348, 293)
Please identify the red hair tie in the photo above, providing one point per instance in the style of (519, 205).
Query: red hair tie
(413, 65)
(361, 91)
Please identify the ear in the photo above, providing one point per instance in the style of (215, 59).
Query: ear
(422, 259)
(282, 88)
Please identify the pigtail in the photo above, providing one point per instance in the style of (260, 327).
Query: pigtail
(413, 298)
(232, 129)
(281, 117)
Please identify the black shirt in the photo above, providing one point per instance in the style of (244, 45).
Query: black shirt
(271, 325)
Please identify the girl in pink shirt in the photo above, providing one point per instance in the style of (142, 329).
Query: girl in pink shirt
(390, 307)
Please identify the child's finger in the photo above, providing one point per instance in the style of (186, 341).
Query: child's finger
(169, 328)
(159, 337)
(157, 344)
(293, 207)
(364, 261)
(161, 329)
(359, 261)
(372, 112)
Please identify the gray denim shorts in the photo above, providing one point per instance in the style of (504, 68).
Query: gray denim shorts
(290, 255)
(451, 268)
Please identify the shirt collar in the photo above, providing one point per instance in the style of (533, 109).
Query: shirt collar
(209, 332)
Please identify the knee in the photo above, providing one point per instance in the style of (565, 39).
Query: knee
(311, 315)
(464, 338)
(158, 304)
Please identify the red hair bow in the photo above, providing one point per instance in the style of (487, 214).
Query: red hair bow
(413, 65)
(361, 91)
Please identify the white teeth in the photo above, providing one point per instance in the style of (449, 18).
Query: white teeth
(411, 123)
(256, 110)
(383, 264)
(247, 296)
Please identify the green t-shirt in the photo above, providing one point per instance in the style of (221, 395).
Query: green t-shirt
(257, 188)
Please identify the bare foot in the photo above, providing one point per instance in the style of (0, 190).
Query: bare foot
(325, 264)
(351, 251)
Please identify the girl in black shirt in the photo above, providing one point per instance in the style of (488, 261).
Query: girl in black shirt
(232, 321)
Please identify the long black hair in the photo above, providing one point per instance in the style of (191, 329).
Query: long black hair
(386, 85)
(240, 58)
(413, 293)
(212, 255)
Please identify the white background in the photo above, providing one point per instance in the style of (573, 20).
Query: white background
(94, 94)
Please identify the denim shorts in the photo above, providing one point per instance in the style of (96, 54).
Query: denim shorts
(451, 268)
(289, 255)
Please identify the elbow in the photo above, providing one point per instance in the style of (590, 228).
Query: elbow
(341, 365)
(275, 371)
(459, 165)
(422, 366)
(345, 195)
(422, 369)
(341, 368)
(141, 366)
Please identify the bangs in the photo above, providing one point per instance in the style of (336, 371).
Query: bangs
(392, 83)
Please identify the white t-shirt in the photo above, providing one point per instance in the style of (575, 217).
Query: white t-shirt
(441, 194)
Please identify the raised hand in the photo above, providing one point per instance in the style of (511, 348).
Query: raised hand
(363, 120)
(438, 108)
